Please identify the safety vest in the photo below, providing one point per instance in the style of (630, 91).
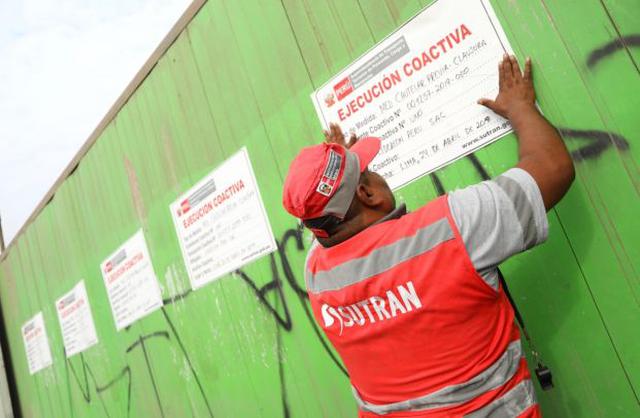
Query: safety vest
(419, 331)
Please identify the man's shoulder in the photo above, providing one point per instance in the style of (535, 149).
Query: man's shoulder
(500, 217)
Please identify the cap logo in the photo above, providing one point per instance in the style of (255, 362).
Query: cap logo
(330, 175)
(324, 189)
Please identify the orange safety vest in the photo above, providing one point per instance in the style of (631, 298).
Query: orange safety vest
(419, 331)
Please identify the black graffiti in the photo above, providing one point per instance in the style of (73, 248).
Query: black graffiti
(141, 343)
(623, 42)
(85, 389)
(126, 373)
(283, 317)
(437, 183)
(188, 359)
(475, 162)
(477, 165)
(599, 141)
(176, 298)
(283, 384)
(275, 284)
(279, 311)
(83, 384)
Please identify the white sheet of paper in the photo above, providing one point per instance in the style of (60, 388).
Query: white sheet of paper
(76, 321)
(132, 285)
(36, 344)
(418, 89)
(221, 222)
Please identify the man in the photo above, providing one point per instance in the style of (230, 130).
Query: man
(412, 301)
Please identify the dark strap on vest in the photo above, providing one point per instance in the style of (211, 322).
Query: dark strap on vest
(503, 282)
(543, 373)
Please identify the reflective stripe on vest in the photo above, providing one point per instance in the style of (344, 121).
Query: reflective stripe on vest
(495, 376)
(511, 404)
(381, 259)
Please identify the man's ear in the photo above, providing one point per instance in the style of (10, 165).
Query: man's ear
(368, 195)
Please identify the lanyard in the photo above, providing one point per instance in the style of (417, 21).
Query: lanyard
(543, 373)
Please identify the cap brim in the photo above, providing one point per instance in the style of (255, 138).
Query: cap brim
(366, 149)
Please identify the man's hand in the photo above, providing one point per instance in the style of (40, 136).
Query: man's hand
(335, 136)
(516, 94)
(541, 151)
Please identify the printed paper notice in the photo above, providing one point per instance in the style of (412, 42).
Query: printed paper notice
(221, 222)
(76, 322)
(131, 283)
(418, 90)
(36, 344)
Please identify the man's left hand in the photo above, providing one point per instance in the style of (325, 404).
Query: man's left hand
(334, 135)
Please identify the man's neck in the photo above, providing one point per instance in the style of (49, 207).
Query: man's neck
(360, 223)
(394, 214)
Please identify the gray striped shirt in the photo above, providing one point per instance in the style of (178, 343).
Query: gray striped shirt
(499, 218)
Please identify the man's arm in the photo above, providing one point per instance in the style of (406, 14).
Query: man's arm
(541, 151)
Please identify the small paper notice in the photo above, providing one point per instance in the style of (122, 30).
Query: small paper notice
(36, 344)
(418, 88)
(132, 285)
(221, 222)
(76, 321)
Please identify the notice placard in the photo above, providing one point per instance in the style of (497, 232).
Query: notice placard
(76, 321)
(36, 344)
(221, 222)
(131, 283)
(418, 90)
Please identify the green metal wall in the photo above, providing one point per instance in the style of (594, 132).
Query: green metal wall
(240, 74)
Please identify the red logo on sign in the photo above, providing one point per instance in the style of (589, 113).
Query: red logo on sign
(343, 88)
(330, 100)
(108, 267)
(184, 207)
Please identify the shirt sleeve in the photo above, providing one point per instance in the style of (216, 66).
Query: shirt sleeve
(499, 218)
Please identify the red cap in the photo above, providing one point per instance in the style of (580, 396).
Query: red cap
(322, 179)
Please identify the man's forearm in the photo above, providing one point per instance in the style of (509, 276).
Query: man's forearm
(535, 134)
(542, 152)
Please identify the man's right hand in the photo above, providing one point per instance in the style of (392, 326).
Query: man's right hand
(516, 94)
(541, 152)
